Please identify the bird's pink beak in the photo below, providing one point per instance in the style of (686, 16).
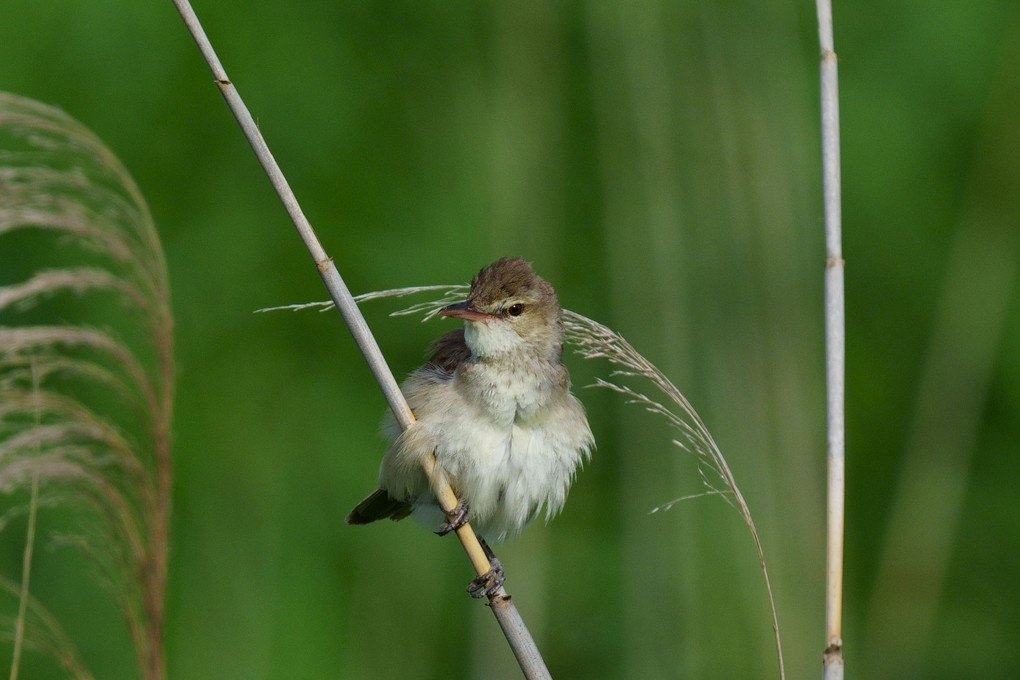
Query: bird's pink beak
(464, 310)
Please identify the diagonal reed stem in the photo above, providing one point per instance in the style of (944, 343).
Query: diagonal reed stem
(517, 635)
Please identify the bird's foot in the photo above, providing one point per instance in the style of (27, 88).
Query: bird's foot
(455, 519)
(488, 583)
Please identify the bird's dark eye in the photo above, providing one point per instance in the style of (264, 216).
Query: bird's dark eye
(515, 309)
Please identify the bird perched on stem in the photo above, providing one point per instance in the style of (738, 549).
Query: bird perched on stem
(493, 404)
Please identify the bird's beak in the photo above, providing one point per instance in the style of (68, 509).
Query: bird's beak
(464, 310)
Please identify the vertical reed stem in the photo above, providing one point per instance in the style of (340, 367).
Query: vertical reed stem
(835, 346)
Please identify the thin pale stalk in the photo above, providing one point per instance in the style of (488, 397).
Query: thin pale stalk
(520, 639)
(835, 346)
(26, 573)
(26, 560)
(49, 637)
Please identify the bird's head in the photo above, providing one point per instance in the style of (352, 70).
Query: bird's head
(509, 309)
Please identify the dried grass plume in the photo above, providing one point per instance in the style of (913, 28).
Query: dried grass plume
(86, 373)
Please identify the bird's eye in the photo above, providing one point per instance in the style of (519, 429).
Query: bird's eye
(515, 309)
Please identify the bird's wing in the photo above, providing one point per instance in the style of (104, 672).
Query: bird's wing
(449, 351)
(446, 354)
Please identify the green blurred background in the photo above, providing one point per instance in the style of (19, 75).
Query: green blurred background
(659, 164)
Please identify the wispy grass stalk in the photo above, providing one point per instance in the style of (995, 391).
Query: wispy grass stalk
(593, 340)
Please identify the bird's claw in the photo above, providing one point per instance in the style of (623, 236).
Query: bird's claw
(455, 519)
(488, 583)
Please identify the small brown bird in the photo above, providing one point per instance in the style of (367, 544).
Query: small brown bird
(493, 404)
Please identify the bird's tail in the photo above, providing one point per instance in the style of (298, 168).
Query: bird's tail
(378, 505)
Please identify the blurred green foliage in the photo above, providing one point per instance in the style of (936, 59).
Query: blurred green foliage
(659, 163)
